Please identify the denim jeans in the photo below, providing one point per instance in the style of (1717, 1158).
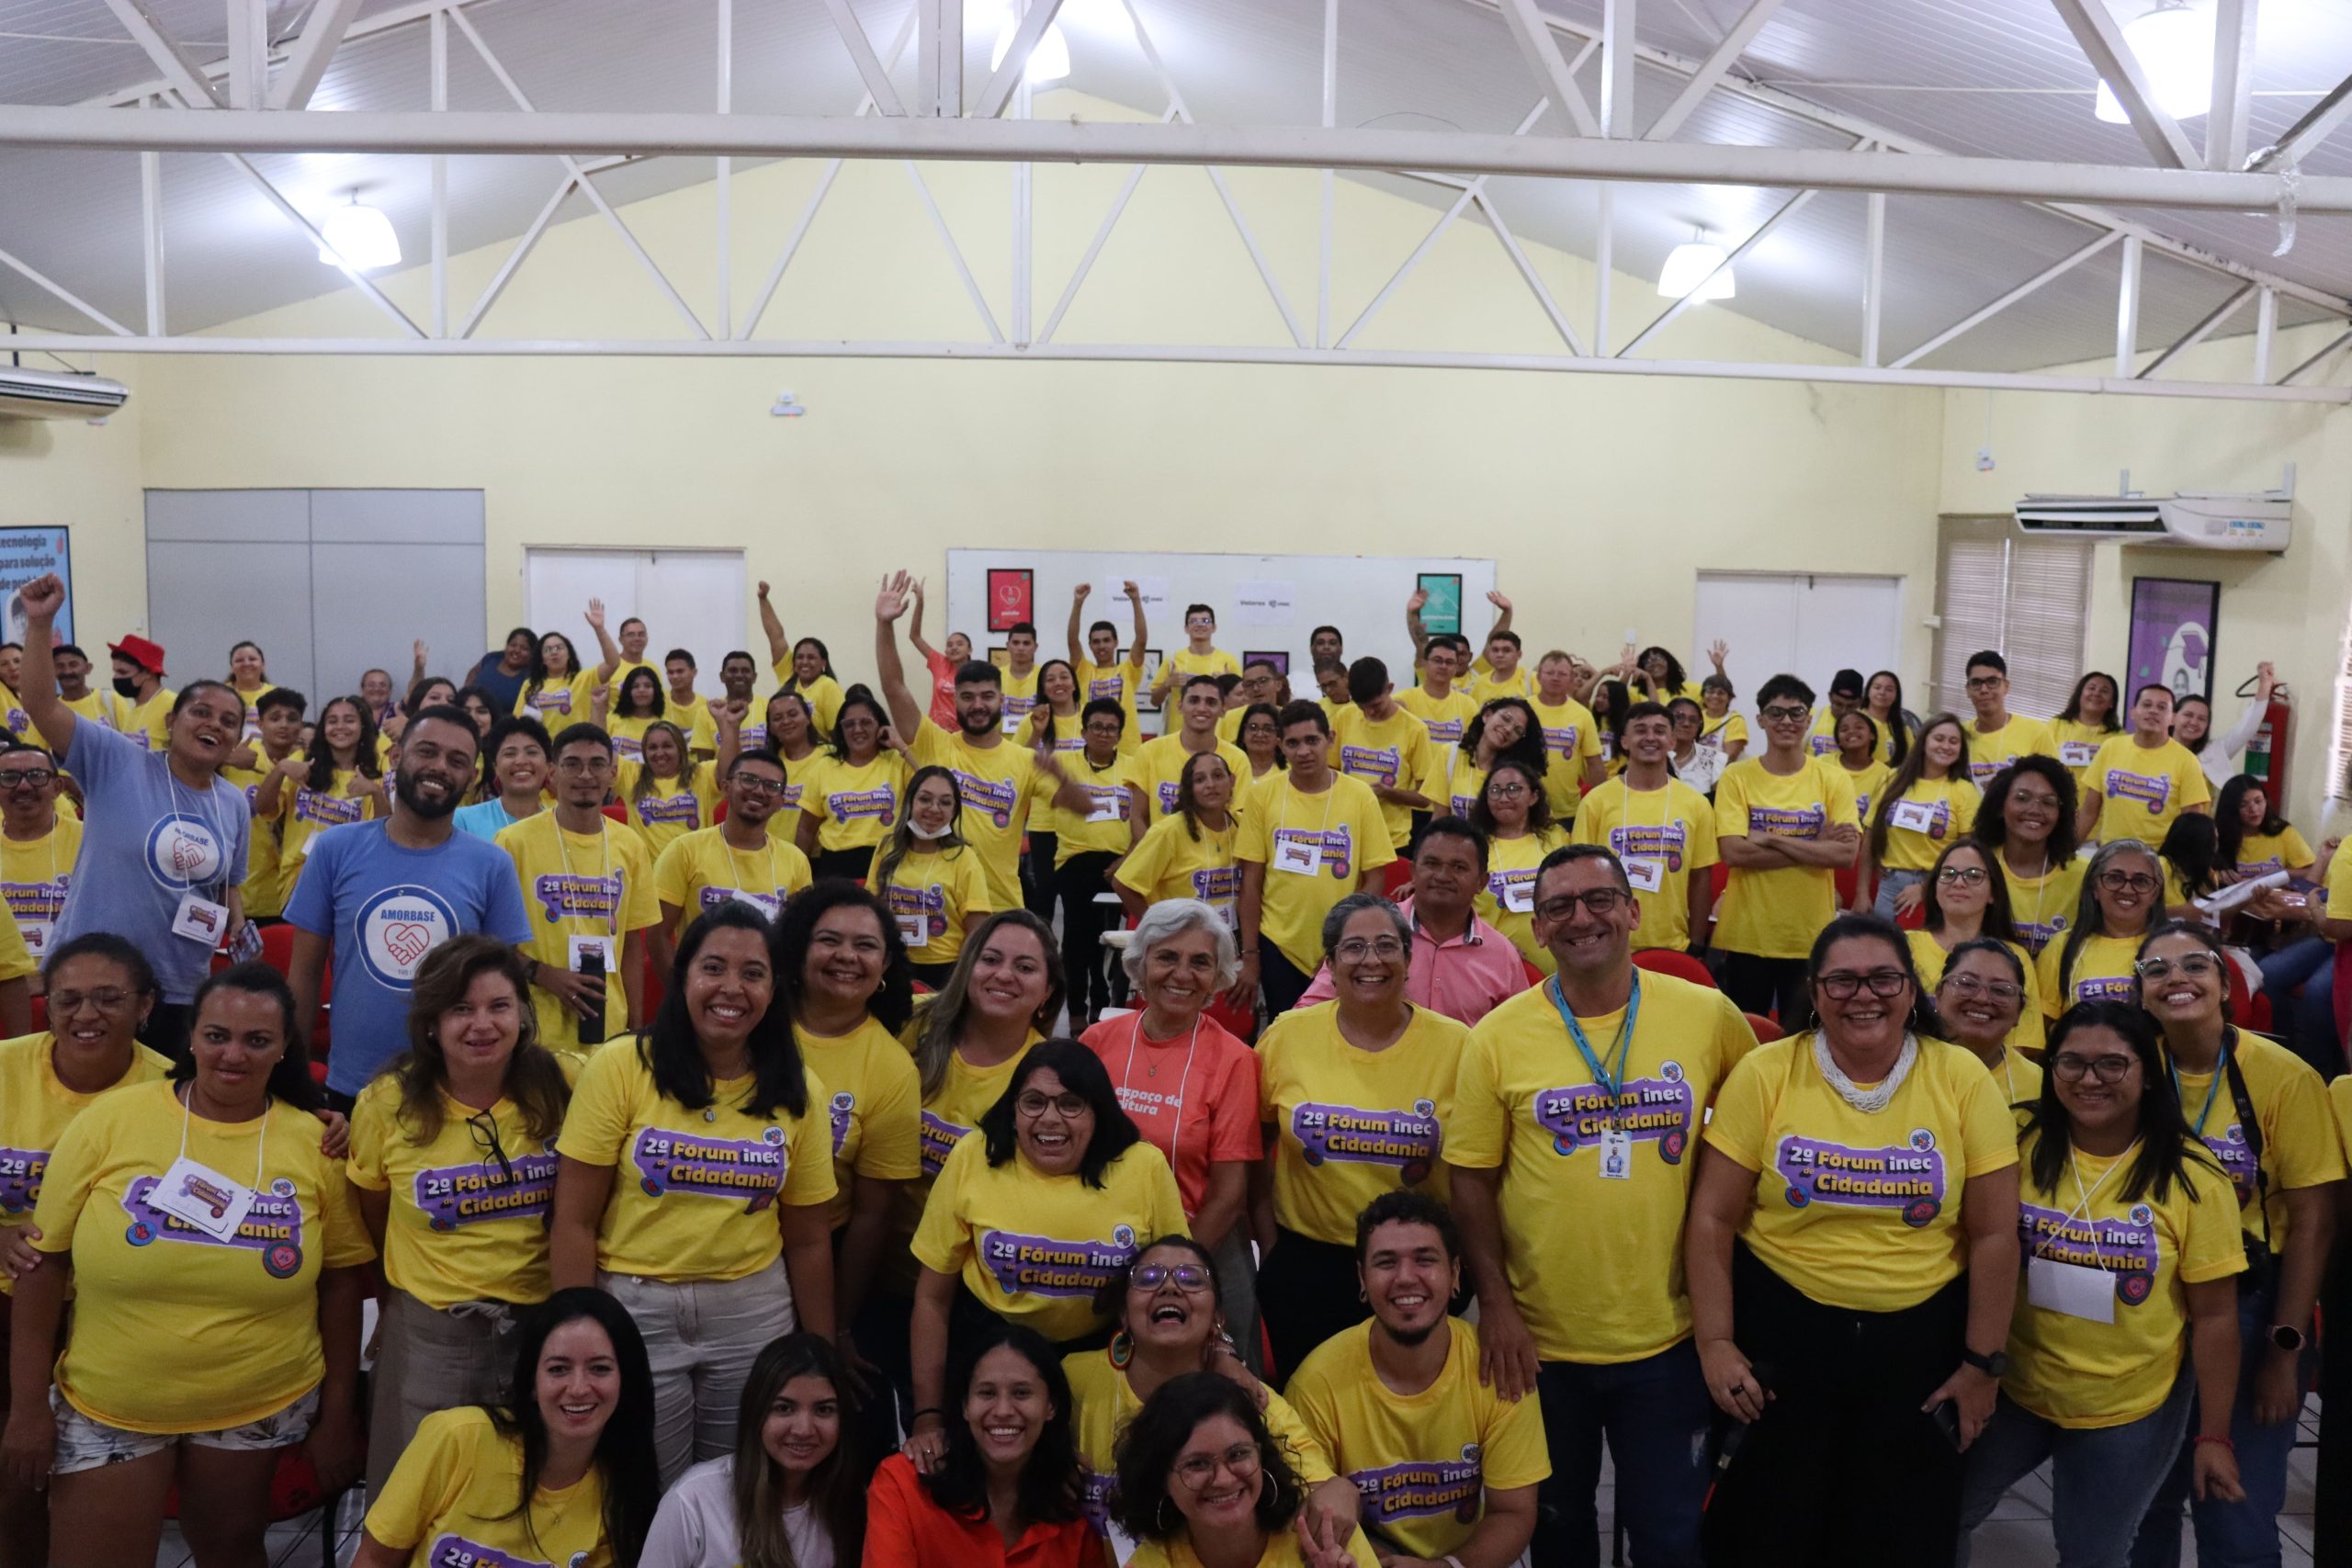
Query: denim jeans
(1890, 883)
(1655, 1413)
(2305, 1022)
(2100, 1478)
(2230, 1535)
(701, 1336)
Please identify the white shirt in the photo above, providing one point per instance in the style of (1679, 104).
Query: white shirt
(695, 1525)
(2218, 758)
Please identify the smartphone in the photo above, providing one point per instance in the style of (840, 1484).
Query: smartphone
(592, 1029)
(1947, 1419)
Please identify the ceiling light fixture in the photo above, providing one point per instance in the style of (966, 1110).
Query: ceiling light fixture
(1689, 265)
(358, 236)
(2175, 48)
(1048, 63)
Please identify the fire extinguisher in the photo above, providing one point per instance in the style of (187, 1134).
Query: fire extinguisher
(2265, 754)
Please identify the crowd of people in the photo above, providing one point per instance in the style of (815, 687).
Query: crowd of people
(927, 1121)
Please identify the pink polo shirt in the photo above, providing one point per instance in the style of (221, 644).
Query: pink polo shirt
(1464, 979)
(943, 690)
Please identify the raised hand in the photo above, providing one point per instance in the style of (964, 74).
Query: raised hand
(1078, 596)
(1131, 590)
(764, 588)
(43, 597)
(1420, 597)
(1496, 597)
(891, 602)
(420, 651)
(596, 613)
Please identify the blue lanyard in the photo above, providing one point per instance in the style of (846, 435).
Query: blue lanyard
(2221, 1066)
(1614, 1086)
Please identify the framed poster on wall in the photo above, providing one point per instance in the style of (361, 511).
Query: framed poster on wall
(27, 554)
(1443, 610)
(2173, 621)
(1012, 594)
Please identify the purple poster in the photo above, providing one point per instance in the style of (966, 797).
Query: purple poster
(2172, 636)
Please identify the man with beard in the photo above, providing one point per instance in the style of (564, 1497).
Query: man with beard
(994, 774)
(737, 859)
(1446, 1466)
(385, 893)
(737, 675)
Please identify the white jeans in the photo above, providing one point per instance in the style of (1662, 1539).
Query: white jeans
(701, 1336)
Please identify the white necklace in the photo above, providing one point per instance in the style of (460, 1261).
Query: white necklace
(1869, 1103)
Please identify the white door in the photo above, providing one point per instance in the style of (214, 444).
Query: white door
(689, 599)
(1810, 625)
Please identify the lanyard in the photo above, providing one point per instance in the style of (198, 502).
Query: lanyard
(604, 867)
(2082, 1209)
(2221, 1067)
(1624, 1041)
(736, 865)
(261, 1143)
(1134, 1049)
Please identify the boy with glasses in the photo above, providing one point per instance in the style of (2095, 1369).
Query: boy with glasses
(1997, 736)
(1662, 829)
(738, 859)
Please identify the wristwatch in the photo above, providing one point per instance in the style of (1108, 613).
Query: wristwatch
(2287, 1337)
(1995, 1366)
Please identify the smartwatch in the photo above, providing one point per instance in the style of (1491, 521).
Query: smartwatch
(1995, 1366)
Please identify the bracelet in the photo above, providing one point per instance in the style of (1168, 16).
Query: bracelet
(2218, 1441)
(927, 1410)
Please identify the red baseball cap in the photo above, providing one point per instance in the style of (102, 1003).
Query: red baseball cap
(139, 649)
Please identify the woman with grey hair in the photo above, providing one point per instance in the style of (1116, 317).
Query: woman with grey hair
(1355, 1095)
(1190, 1085)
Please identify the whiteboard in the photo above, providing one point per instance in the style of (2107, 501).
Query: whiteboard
(1263, 604)
(689, 599)
(1806, 624)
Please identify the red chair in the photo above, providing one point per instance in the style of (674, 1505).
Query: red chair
(1914, 918)
(653, 982)
(1534, 976)
(617, 812)
(1240, 1022)
(1765, 1030)
(1396, 881)
(40, 1014)
(1682, 965)
(278, 947)
(2344, 990)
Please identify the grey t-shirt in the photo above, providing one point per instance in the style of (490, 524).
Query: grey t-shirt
(696, 1526)
(147, 842)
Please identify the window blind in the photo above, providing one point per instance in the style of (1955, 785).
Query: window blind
(2027, 598)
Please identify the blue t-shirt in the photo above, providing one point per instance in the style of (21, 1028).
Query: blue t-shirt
(385, 908)
(502, 688)
(484, 820)
(147, 842)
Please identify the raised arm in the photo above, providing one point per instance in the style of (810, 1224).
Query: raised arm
(1496, 597)
(1143, 633)
(605, 643)
(1076, 622)
(779, 645)
(914, 627)
(418, 653)
(889, 672)
(42, 598)
(1413, 627)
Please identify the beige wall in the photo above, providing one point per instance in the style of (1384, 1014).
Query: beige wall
(2290, 609)
(89, 478)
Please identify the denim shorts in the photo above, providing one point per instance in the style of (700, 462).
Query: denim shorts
(86, 1444)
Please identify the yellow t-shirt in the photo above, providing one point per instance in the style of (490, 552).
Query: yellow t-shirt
(2298, 1146)
(2144, 788)
(1950, 804)
(1157, 770)
(823, 694)
(560, 701)
(1187, 664)
(930, 895)
(1170, 864)
(1281, 1551)
(1445, 716)
(460, 1227)
(2079, 1373)
(1929, 957)
(264, 893)
(450, 1503)
(1422, 1463)
(1674, 828)
(667, 813)
(1393, 752)
(2078, 744)
(1862, 1212)
(1595, 1261)
(2102, 972)
(244, 1313)
(1721, 733)
(1777, 913)
(1035, 1249)
(695, 717)
(1454, 782)
(628, 734)
(1991, 751)
(694, 1191)
(874, 1107)
(1102, 827)
(35, 874)
(854, 808)
(702, 871)
(784, 821)
(2262, 853)
(106, 709)
(35, 1108)
(1508, 901)
(304, 813)
(581, 885)
(1866, 783)
(2042, 907)
(1571, 739)
(1482, 685)
(1020, 692)
(1102, 1403)
(151, 721)
(1342, 831)
(1114, 683)
(995, 782)
(1350, 1124)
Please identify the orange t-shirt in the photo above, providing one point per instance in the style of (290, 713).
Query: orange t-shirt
(904, 1528)
(1194, 1096)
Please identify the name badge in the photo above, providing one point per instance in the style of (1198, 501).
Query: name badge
(1518, 897)
(914, 931)
(1300, 857)
(36, 934)
(2077, 754)
(1916, 815)
(200, 920)
(1646, 875)
(204, 1198)
(2069, 1288)
(767, 903)
(579, 947)
(1106, 808)
(1616, 1154)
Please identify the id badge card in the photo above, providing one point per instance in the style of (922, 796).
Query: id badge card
(2076, 753)
(577, 947)
(36, 934)
(1230, 915)
(2087, 1294)
(1645, 875)
(203, 1197)
(1518, 897)
(1616, 1154)
(246, 945)
(914, 931)
(1106, 808)
(1916, 815)
(200, 920)
(1300, 857)
(767, 903)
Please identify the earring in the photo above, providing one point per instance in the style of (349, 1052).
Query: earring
(1265, 1485)
(1160, 1518)
(1123, 1348)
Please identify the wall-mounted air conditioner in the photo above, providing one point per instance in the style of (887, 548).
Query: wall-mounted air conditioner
(49, 394)
(2203, 520)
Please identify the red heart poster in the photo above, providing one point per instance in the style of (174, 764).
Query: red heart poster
(1012, 591)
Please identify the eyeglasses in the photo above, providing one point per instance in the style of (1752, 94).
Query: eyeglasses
(584, 765)
(2128, 881)
(1200, 1470)
(1034, 1103)
(1355, 950)
(1188, 1275)
(1782, 714)
(1844, 985)
(2196, 965)
(1970, 986)
(1965, 876)
(106, 998)
(1512, 791)
(484, 1128)
(2068, 1067)
(759, 784)
(12, 778)
(1985, 682)
(2031, 800)
(1600, 902)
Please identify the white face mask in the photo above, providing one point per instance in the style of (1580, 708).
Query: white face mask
(930, 834)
